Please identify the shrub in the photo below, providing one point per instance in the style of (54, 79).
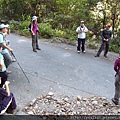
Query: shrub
(46, 30)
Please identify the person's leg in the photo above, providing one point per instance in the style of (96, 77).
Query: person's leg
(4, 77)
(7, 59)
(83, 45)
(106, 49)
(12, 107)
(117, 89)
(79, 44)
(37, 44)
(34, 43)
(13, 103)
(100, 49)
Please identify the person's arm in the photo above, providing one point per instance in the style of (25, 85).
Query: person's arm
(8, 30)
(86, 30)
(78, 30)
(11, 50)
(116, 65)
(7, 87)
(32, 29)
(1, 65)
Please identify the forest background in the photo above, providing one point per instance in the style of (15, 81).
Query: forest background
(58, 19)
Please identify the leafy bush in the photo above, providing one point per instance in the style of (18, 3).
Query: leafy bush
(92, 46)
(46, 30)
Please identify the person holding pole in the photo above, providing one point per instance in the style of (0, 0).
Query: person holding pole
(5, 49)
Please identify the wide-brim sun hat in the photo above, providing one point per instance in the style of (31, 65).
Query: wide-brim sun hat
(34, 18)
(3, 26)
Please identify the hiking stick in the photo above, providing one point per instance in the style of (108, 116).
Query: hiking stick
(20, 67)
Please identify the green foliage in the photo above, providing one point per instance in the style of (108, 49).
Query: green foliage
(92, 45)
(46, 30)
(114, 48)
(60, 18)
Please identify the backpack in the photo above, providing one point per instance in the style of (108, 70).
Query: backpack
(29, 27)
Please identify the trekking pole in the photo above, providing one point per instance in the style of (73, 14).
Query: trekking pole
(20, 67)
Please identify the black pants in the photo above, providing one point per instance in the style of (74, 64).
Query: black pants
(106, 44)
(79, 44)
(4, 77)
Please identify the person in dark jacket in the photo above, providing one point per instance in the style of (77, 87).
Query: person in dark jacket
(7, 100)
(117, 81)
(106, 36)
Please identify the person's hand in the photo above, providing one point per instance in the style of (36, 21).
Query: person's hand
(11, 50)
(105, 39)
(7, 82)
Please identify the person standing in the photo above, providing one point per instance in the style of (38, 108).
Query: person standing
(34, 33)
(81, 31)
(117, 81)
(5, 53)
(106, 36)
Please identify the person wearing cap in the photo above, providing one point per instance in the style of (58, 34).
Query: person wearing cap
(34, 32)
(106, 36)
(3, 73)
(81, 31)
(5, 49)
(117, 81)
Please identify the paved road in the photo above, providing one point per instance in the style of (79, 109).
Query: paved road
(59, 69)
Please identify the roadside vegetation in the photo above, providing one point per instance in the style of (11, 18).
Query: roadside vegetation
(58, 19)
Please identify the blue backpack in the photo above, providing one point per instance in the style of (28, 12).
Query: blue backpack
(29, 27)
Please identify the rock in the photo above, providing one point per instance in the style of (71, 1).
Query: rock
(95, 102)
(50, 93)
(79, 98)
(30, 113)
(51, 104)
(118, 110)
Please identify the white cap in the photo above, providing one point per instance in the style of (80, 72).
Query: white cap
(34, 18)
(82, 21)
(3, 26)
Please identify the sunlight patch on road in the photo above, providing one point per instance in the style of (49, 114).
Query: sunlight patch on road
(20, 41)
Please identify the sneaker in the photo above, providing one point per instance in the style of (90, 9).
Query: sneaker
(96, 55)
(115, 102)
(38, 48)
(78, 51)
(34, 50)
(15, 110)
(8, 72)
(13, 60)
(84, 51)
(105, 56)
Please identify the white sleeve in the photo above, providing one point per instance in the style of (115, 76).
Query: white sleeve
(77, 29)
(1, 38)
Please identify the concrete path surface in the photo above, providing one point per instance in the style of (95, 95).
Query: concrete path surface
(58, 68)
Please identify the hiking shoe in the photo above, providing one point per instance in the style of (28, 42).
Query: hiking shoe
(96, 55)
(115, 102)
(38, 48)
(13, 60)
(15, 110)
(105, 56)
(34, 50)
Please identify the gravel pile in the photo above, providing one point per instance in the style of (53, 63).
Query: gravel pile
(51, 104)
